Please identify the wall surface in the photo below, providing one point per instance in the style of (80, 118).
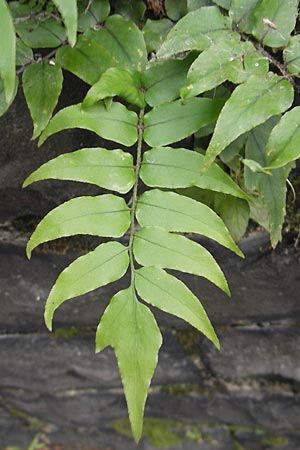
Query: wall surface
(245, 397)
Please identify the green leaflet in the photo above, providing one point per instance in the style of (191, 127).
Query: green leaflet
(175, 10)
(116, 123)
(155, 32)
(282, 14)
(118, 43)
(178, 213)
(107, 263)
(104, 215)
(116, 81)
(234, 212)
(283, 144)
(291, 55)
(3, 104)
(90, 17)
(7, 52)
(163, 80)
(35, 33)
(168, 167)
(228, 59)
(129, 327)
(171, 122)
(242, 13)
(68, 10)
(156, 247)
(272, 189)
(250, 104)
(42, 84)
(195, 31)
(24, 54)
(109, 169)
(165, 292)
(223, 3)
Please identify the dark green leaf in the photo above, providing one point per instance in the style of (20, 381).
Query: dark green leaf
(7, 52)
(68, 11)
(174, 121)
(117, 124)
(223, 3)
(235, 212)
(196, 4)
(178, 213)
(250, 104)
(91, 15)
(155, 32)
(175, 10)
(45, 33)
(156, 247)
(136, 339)
(24, 54)
(242, 13)
(118, 43)
(165, 292)
(42, 84)
(283, 144)
(107, 263)
(195, 31)
(163, 80)
(130, 10)
(109, 169)
(116, 81)
(169, 167)
(104, 215)
(291, 55)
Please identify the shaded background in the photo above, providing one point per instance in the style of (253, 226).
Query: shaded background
(245, 397)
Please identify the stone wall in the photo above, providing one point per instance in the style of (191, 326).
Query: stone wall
(245, 397)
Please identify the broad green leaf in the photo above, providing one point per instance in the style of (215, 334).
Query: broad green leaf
(116, 81)
(197, 30)
(233, 150)
(109, 169)
(255, 167)
(107, 263)
(3, 104)
(42, 84)
(18, 9)
(68, 11)
(195, 4)
(131, 10)
(235, 212)
(163, 80)
(169, 167)
(104, 215)
(116, 123)
(91, 14)
(7, 52)
(250, 104)
(154, 246)
(175, 10)
(242, 13)
(283, 144)
(178, 213)
(272, 189)
(24, 54)
(223, 3)
(118, 43)
(171, 122)
(35, 33)
(291, 55)
(130, 328)
(165, 292)
(155, 32)
(274, 21)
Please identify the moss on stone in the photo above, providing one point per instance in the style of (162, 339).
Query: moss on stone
(66, 333)
(189, 340)
(273, 441)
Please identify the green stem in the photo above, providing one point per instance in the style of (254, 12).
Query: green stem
(135, 191)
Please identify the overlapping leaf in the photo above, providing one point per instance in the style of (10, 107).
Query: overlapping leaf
(42, 84)
(178, 213)
(116, 123)
(68, 10)
(169, 167)
(165, 292)
(104, 215)
(195, 31)
(7, 52)
(3, 103)
(171, 122)
(119, 43)
(291, 55)
(250, 104)
(109, 169)
(91, 14)
(129, 327)
(153, 246)
(107, 263)
(48, 33)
